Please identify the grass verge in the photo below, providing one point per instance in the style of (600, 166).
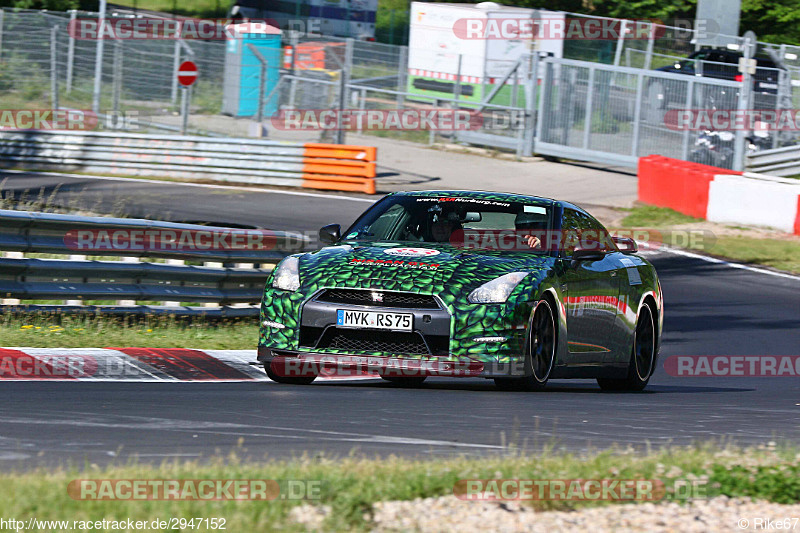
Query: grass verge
(349, 486)
(85, 331)
(778, 253)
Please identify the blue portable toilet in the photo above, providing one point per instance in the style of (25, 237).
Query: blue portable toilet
(243, 69)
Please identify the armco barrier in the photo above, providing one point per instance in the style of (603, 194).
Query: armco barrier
(719, 195)
(311, 165)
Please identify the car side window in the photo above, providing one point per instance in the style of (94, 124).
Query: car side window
(580, 228)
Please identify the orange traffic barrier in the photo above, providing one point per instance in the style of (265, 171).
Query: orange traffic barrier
(339, 167)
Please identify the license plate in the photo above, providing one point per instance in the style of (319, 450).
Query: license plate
(347, 318)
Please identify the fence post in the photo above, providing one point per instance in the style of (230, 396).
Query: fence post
(547, 82)
(176, 63)
(742, 104)
(651, 39)
(117, 88)
(587, 121)
(2, 17)
(688, 105)
(185, 97)
(402, 77)
(344, 81)
(262, 82)
(98, 60)
(637, 114)
(71, 49)
(54, 67)
(293, 86)
(531, 91)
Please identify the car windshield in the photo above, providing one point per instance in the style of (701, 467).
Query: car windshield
(450, 219)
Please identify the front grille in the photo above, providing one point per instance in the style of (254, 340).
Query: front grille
(406, 300)
(385, 342)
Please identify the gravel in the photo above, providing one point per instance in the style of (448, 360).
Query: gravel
(448, 514)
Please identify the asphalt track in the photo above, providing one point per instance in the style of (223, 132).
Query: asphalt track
(711, 309)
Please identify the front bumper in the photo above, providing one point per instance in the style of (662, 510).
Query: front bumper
(291, 363)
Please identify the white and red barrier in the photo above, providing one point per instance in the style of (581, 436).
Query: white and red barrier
(720, 195)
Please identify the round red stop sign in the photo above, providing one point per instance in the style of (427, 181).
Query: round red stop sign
(187, 73)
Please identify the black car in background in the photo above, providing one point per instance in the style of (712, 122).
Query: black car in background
(720, 64)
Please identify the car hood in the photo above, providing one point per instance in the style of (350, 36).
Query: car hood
(425, 267)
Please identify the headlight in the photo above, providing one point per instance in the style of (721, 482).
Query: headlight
(287, 277)
(497, 290)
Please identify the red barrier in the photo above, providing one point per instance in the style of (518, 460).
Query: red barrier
(679, 185)
(797, 218)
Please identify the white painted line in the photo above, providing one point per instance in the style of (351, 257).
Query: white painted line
(684, 253)
(190, 184)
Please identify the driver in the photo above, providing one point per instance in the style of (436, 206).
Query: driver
(532, 226)
(444, 225)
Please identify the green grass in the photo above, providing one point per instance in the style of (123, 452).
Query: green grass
(350, 485)
(48, 331)
(649, 216)
(781, 254)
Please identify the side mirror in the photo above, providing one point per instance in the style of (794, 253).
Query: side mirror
(330, 234)
(593, 252)
(626, 245)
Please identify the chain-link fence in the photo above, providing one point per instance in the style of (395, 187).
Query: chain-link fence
(601, 97)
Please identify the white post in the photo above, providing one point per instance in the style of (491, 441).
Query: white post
(98, 60)
(54, 67)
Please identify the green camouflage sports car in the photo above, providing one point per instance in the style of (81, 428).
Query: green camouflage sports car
(515, 288)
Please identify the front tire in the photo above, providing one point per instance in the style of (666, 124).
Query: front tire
(288, 380)
(540, 353)
(643, 354)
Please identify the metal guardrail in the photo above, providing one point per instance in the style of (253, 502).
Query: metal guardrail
(283, 163)
(775, 162)
(217, 282)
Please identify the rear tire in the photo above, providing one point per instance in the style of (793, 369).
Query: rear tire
(405, 382)
(643, 353)
(288, 380)
(541, 352)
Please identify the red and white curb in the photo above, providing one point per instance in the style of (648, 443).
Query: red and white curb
(136, 364)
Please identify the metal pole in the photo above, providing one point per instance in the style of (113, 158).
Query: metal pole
(262, 84)
(637, 114)
(184, 109)
(457, 90)
(2, 16)
(530, 104)
(54, 66)
(176, 63)
(742, 104)
(688, 104)
(98, 60)
(620, 42)
(402, 77)
(651, 40)
(117, 90)
(71, 50)
(345, 81)
(294, 40)
(587, 121)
